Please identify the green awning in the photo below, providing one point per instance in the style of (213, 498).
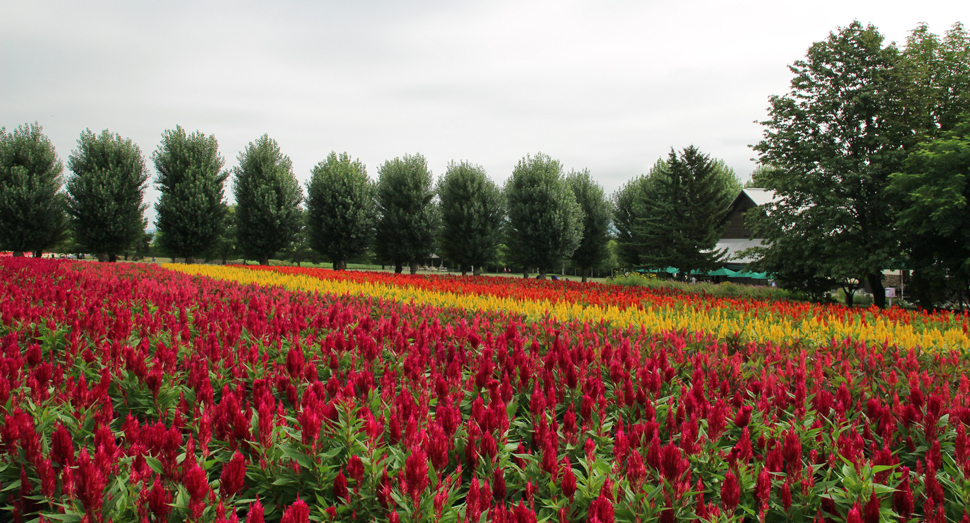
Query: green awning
(752, 275)
(723, 271)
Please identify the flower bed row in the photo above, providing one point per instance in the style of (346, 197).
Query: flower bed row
(138, 393)
(657, 311)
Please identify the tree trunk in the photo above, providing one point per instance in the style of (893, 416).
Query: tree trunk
(189, 260)
(263, 259)
(102, 257)
(878, 291)
(584, 273)
(542, 274)
(38, 254)
(476, 271)
(398, 268)
(18, 254)
(112, 258)
(848, 296)
(414, 267)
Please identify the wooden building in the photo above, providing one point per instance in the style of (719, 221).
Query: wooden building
(737, 236)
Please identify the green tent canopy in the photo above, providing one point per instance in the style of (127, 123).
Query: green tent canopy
(752, 275)
(723, 271)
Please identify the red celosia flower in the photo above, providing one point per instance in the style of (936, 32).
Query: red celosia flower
(730, 492)
(233, 477)
(340, 491)
(854, 516)
(498, 484)
(294, 361)
(62, 447)
(472, 510)
(355, 467)
(298, 512)
(786, 494)
(255, 514)
(416, 473)
(159, 501)
(903, 497)
(870, 513)
(743, 416)
(763, 489)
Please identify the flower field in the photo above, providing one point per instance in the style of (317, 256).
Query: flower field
(143, 393)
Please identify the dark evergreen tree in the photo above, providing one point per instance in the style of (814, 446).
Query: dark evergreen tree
(190, 209)
(471, 214)
(268, 199)
(545, 223)
(597, 215)
(680, 224)
(105, 193)
(408, 217)
(341, 209)
(32, 206)
(628, 204)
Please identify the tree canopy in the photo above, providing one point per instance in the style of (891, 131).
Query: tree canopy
(408, 217)
(597, 215)
(32, 206)
(544, 223)
(341, 209)
(471, 214)
(268, 199)
(933, 218)
(190, 209)
(105, 193)
(834, 140)
(680, 218)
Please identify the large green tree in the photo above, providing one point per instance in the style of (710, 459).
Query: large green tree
(544, 223)
(408, 216)
(680, 221)
(597, 215)
(190, 209)
(268, 199)
(834, 139)
(934, 217)
(471, 214)
(341, 209)
(105, 193)
(32, 206)
(628, 205)
(936, 74)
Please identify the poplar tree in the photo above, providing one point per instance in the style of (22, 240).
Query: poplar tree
(268, 199)
(471, 215)
(597, 215)
(341, 211)
(544, 224)
(408, 217)
(32, 206)
(190, 209)
(105, 193)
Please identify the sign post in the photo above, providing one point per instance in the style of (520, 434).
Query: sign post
(890, 294)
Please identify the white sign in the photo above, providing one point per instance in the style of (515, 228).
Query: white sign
(890, 292)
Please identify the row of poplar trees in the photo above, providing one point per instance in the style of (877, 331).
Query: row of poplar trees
(544, 216)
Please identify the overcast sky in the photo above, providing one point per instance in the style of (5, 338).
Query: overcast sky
(606, 85)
